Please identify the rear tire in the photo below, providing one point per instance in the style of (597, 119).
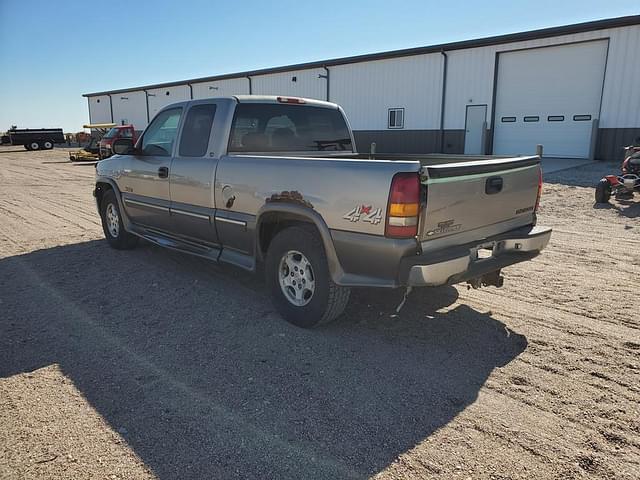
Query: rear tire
(319, 300)
(34, 146)
(112, 224)
(47, 145)
(603, 191)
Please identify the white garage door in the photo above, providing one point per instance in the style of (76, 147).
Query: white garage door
(549, 96)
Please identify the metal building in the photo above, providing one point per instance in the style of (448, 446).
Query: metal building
(573, 89)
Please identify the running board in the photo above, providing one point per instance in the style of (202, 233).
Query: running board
(185, 246)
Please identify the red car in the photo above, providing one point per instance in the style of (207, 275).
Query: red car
(121, 131)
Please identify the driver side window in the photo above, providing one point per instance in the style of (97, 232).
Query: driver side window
(161, 134)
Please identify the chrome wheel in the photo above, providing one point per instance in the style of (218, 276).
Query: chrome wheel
(48, 145)
(34, 146)
(113, 220)
(296, 278)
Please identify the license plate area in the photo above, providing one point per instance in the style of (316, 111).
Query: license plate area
(483, 252)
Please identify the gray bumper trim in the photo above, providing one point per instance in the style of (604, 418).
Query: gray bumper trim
(463, 264)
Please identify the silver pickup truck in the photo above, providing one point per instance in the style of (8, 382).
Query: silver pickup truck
(277, 182)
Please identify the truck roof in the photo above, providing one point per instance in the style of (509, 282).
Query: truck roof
(283, 99)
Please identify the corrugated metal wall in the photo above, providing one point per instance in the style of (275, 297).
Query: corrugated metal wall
(160, 97)
(99, 109)
(221, 88)
(298, 83)
(367, 90)
(130, 107)
(470, 76)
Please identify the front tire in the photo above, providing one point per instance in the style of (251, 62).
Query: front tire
(298, 278)
(112, 225)
(603, 191)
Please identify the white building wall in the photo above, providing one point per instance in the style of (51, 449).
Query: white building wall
(99, 109)
(161, 97)
(221, 88)
(621, 95)
(367, 90)
(470, 76)
(308, 84)
(130, 107)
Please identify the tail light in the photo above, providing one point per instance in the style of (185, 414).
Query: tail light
(404, 206)
(293, 100)
(539, 188)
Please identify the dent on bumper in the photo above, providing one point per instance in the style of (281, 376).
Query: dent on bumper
(508, 249)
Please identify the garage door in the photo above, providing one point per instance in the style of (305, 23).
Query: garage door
(549, 96)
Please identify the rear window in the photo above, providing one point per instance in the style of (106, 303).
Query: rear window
(264, 127)
(111, 133)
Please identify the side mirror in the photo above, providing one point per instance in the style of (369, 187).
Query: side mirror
(123, 146)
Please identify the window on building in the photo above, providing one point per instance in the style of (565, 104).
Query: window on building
(581, 118)
(555, 118)
(532, 118)
(396, 118)
(508, 119)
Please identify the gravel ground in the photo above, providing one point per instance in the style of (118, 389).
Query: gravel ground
(152, 364)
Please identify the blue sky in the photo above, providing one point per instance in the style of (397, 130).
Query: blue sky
(51, 52)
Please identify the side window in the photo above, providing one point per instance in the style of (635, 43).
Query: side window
(396, 118)
(196, 130)
(161, 134)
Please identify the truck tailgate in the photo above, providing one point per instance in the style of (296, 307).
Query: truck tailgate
(469, 201)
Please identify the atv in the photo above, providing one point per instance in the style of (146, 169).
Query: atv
(624, 185)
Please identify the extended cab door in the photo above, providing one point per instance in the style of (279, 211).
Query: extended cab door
(145, 187)
(192, 174)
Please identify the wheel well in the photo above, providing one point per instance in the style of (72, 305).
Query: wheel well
(101, 189)
(273, 223)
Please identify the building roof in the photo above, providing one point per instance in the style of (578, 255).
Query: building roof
(480, 42)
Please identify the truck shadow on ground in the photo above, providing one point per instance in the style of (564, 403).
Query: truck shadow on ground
(189, 363)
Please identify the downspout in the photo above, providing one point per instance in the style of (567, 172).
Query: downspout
(146, 101)
(250, 86)
(111, 107)
(327, 77)
(444, 94)
(190, 91)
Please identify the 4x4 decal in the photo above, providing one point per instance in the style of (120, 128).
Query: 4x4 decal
(366, 213)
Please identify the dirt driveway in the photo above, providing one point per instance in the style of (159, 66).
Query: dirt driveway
(153, 364)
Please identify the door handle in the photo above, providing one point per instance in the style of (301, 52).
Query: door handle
(163, 172)
(493, 185)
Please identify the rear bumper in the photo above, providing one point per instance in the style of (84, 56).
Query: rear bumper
(461, 263)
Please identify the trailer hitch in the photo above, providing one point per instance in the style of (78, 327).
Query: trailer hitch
(492, 278)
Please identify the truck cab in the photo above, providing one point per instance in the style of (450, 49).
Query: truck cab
(117, 132)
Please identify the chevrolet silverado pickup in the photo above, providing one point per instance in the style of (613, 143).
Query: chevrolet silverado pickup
(276, 183)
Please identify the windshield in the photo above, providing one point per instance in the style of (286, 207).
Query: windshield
(111, 133)
(264, 127)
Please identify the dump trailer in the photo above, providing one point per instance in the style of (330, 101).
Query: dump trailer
(36, 138)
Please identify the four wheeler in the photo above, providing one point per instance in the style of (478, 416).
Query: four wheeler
(624, 185)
